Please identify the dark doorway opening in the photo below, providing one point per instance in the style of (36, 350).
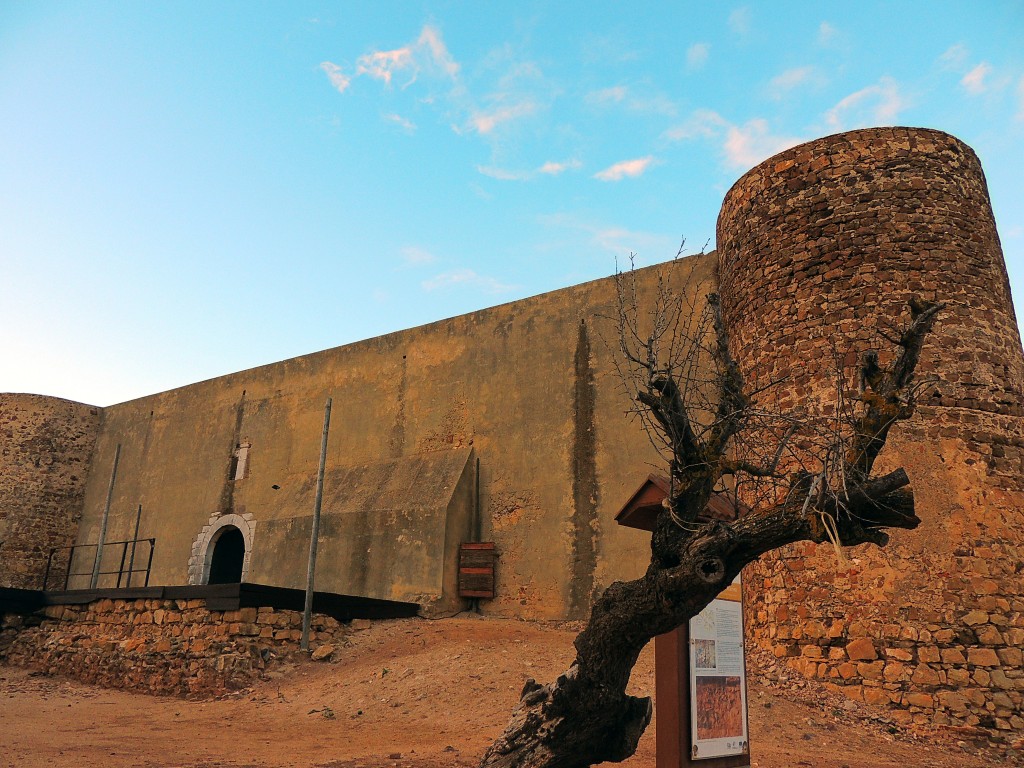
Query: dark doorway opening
(228, 556)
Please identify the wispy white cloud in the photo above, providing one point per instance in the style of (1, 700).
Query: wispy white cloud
(465, 278)
(873, 105)
(404, 123)
(338, 79)
(414, 256)
(974, 81)
(954, 57)
(503, 174)
(826, 33)
(426, 54)
(625, 169)
(383, 64)
(739, 21)
(553, 169)
(430, 40)
(620, 95)
(742, 146)
(605, 96)
(697, 55)
(485, 122)
(747, 145)
(703, 123)
(786, 81)
(549, 168)
(1020, 100)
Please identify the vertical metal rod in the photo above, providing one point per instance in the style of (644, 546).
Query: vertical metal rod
(120, 568)
(67, 573)
(135, 541)
(49, 562)
(478, 523)
(103, 523)
(315, 533)
(149, 565)
(474, 603)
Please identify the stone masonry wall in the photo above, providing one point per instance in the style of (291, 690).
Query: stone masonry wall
(174, 647)
(820, 248)
(45, 448)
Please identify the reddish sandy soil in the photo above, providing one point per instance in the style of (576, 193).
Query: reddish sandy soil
(416, 693)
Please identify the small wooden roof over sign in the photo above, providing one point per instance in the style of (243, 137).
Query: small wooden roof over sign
(643, 507)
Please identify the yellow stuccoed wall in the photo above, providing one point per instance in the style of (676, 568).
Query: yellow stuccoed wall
(527, 388)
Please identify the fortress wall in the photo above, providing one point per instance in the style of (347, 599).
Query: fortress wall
(45, 448)
(827, 242)
(529, 386)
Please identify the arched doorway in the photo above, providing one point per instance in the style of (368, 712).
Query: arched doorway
(228, 557)
(224, 542)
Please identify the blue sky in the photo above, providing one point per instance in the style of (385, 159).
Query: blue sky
(191, 189)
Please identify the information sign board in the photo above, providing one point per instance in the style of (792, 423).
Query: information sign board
(718, 686)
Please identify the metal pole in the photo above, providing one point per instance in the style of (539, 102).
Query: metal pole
(478, 523)
(474, 603)
(315, 533)
(135, 541)
(103, 523)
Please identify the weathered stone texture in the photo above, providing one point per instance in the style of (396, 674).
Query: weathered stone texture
(45, 449)
(160, 646)
(820, 248)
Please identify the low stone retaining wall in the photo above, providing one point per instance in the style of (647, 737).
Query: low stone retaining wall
(176, 647)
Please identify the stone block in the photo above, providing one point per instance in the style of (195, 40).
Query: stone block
(982, 657)
(871, 670)
(899, 654)
(952, 700)
(1011, 657)
(895, 671)
(953, 656)
(861, 649)
(1000, 680)
(247, 615)
(958, 676)
(322, 653)
(988, 635)
(875, 696)
(923, 700)
(974, 618)
(925, 675)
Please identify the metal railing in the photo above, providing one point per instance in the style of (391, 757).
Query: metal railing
(123, 573)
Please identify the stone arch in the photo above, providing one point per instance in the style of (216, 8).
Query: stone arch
(205, 543)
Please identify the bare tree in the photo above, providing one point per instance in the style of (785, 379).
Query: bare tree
(798, 478)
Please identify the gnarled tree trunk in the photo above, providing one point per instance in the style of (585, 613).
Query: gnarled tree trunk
(585, 716)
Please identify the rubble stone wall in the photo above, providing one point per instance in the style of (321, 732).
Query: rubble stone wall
(820, 249)
(46, 445)
(160, 646)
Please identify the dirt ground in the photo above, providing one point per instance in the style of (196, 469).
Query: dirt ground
(416, 693)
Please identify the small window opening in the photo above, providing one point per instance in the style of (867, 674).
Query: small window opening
(228, 557)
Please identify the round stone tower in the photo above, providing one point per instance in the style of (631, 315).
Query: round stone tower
(45, 449)
(820, 249)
